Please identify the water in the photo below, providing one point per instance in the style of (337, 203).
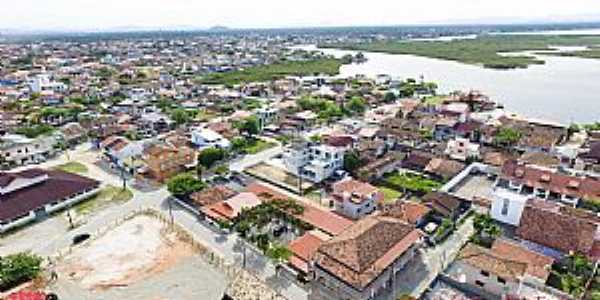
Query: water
(565, 89)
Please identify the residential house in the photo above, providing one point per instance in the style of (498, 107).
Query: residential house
(507, 268)
(122, 152)
(73, 133)
(410, 212)
(446, 205)
(314, 162)
(303, 251)
(547, 184)
(18, 150)
(362, 262)
(355, 199)
(444, 169)
(229, 209)
(164, 161)
(462, 149)
(560, 229)
(207, 138)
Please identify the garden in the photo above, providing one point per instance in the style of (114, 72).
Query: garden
(408, 182)
(572, 274)
(271, 226)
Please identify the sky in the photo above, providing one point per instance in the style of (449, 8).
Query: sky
(77, 15)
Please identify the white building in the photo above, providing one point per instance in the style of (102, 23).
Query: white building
(462, 149)
(42, 83)
(17, 149)
(508, 205)
(355, 199)
(313, 162)
(266, 116)
(207, 138)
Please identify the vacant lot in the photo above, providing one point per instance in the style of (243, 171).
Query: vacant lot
(131, 252)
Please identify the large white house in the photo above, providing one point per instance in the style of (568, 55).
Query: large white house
(17, 149)
(313, 162)
(462, 149)
(207, 138)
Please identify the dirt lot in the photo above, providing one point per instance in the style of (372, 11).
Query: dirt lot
(132, 252)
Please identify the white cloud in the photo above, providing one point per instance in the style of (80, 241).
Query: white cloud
(103, 14)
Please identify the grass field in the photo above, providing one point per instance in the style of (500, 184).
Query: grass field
(483, 51)
(328, 66)
(109, 195)
(256, 146)
(389, 195)
(72, 167)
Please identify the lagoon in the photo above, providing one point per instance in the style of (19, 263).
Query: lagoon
(565, 89)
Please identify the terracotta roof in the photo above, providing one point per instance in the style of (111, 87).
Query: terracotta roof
(212, 195)
(540, 159)
(356, 191)
(559, 227)
(232, 207)
(538, 265)
(364, 250)
(56, 188)
(406, 211)
(442, 203)
(579, 187)
(444, 167)
(326, 221)
(417, 160)
(304, 249)
(486, 260)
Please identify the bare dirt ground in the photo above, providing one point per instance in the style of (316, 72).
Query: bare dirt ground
(135, 250)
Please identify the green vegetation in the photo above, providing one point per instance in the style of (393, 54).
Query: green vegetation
(328, 66)
(507, 136)
(34, 131)
(278, 253)
(410, 182)
(16, 269)
(250, 146)
(352, 162)
(181, 116)
(444, 230)
(183, 185)
(571, 274)
(486, 230)
(593, 53)
(249, 126)
(325, 109)
(72, 167)
(389, 195)
(483, 51)
(208, 157)
(110, 195)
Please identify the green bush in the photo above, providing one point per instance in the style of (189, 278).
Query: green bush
(18, 268)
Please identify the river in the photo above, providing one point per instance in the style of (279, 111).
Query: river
(565, 89)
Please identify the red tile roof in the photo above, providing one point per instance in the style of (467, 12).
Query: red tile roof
(407, 211)
(579, 187)
(364, 250)
(304, 248)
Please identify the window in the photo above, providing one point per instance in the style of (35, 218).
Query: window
(485, 273)
(479, 283)
(501, 280)
(505, 204)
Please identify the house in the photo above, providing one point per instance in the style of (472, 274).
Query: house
(377, 168)
(462, 149)
(589, 159)
(314, 162)
(73, 133)
(443, 169)
(547, 184)
(361, 262)
(561, 228)
(266, 116)
(304, 249)
(355, 199)
(33, 193)
(18, 150)
(445, 205)
(410, 212)
(417, 161)
(507, 268)
(164, 161)
(207, 138)
(153, 123)
(121, 151)
(229, 209)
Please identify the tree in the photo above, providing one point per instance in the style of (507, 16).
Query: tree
(238, 144)
(357, 105)
(279, 253)
(250, 126)
(389, 97)
(352, 162)
(180, 116)
(208, 157)
(18, 268)
(183, 185)
(507, 136)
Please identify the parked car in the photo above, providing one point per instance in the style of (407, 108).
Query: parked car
(80, 238)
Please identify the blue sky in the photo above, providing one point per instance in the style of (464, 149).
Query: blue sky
(108, 14)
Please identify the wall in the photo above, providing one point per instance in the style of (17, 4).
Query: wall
(468, 274)
(515, 207)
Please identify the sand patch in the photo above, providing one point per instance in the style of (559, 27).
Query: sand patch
(135, 250)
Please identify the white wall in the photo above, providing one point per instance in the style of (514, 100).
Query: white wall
(516, 205)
